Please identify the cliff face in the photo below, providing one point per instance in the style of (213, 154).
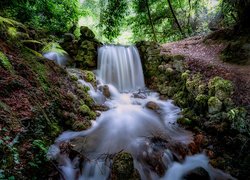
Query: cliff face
(38, 99)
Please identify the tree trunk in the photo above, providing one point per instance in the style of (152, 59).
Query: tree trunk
(150, 19)
(175, 18)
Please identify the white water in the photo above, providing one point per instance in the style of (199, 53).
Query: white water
(59, 58)
(121, 67)
(127, 126)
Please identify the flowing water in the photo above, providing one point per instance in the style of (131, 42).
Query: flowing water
(59, 58)
(137, 122)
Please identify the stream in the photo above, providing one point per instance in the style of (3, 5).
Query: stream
(136, 122)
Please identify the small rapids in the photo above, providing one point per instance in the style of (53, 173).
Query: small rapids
(137, 122)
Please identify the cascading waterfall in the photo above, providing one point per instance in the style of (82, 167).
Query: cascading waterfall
(121, 67)
(129, 125)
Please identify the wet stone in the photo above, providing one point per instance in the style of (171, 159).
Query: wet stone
(152, 105)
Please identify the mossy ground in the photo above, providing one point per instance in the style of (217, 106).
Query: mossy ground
(38, 100)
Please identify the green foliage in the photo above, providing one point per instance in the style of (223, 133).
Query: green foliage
(53, 15)
(238, 119)
(112, 18)
(5, 63)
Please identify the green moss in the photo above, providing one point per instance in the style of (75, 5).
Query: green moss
(201, 99)
(81, 125)
(167, 90)
(228, 103)
(193, 83)
(185, 75)
(38, 67)
(55, 129)
(238, 119)
(180, 99)
(84, 109)
(5, 63)
(89, 76)
(169, 71)
(214, 105)
(220, 88)
(73, 77)
(184, 121)
(123, 167)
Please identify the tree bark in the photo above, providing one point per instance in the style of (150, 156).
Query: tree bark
(150, 19)
(175, 18)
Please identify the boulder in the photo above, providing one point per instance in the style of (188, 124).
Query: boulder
(152, 105)
(105, 91)
(86, 33)
(87, 54)
(68, 37)
(214, 105)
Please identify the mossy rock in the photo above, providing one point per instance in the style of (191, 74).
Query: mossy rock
(180, 99)
(239, 120)
(193, 83)
(220, 88)
(185, 75)
(89, 76)
(123, 167)
(184, 121)
(214, 105)
(84, 109)
(86, 33)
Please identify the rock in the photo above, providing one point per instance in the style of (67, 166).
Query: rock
(123, 167)
(220, 88)
(178, 65)
(87, 54)
(86, 33)
(84, 109)
(184, 121)
(68, 37)
(152, 105)
(105, 91)
(185, 75)
(89, 76)
(139, 95)
(197, 173)
(214, 105)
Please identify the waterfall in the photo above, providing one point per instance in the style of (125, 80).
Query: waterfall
(137, 122)
(121, 67)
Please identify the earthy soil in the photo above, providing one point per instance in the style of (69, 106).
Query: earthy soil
(203, 55)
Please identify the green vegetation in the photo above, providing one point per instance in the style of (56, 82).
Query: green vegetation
(5, 63)
(135, 20)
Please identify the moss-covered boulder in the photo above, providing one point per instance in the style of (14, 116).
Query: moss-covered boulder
(220, 88)
(70, 44)
(214, 105)
(87, 54)
(239, 120)
(123, 167)
(86, 33)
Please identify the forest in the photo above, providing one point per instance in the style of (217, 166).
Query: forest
(124, 89)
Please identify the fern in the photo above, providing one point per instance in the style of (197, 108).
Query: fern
(31, 41)
(54, 47)
(11, 22)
